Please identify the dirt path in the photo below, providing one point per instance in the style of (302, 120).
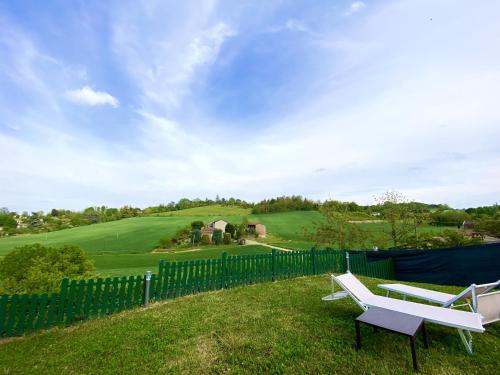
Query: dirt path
(252, 242)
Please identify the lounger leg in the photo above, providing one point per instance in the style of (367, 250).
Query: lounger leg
(358, 336)
(466, 339)
(413, 352)
(424, 334)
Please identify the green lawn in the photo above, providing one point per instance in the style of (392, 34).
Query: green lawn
(280, 328)
(138, 264)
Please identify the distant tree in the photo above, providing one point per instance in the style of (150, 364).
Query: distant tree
(198, 224)
(196, 235)
(230, 228)
(39, 269)
(217, 237)
(396, 211)
(227, 238)
(336, 230)
(7, 221)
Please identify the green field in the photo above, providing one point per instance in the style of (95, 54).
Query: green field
(138, 264)
(278, 328)
(124, 246)
(141, 234)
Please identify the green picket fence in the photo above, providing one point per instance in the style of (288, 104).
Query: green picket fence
(83, 299)
(181, 278)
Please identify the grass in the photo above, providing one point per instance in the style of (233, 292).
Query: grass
(138, 264)
(280, 328)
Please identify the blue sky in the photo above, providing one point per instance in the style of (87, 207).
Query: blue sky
(144, 102)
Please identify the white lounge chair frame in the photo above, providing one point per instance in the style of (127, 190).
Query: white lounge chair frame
(463, 321)
(470, 294)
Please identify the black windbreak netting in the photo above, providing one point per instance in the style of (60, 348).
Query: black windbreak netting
(455, 266)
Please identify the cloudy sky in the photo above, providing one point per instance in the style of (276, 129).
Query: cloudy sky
(130, 102)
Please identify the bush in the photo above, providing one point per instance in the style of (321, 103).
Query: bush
(217, 237)
(230, 228)
(205, 239)
(39, 269)
(227, 238)
(196, 236)
(165, 243)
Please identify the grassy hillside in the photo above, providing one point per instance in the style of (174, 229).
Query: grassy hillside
(137, 264)
(141, 234)
(281, 328)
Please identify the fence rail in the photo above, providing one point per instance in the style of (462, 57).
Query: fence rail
(83, 299)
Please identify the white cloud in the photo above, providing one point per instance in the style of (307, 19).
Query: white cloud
(89, 97)
(355, 7)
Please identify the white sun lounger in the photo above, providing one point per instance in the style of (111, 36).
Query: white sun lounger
(464, 321)
(476, 296)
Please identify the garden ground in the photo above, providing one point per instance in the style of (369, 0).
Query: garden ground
(280, 327)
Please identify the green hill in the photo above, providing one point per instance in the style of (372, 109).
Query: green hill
(141, 234)
(279, 328)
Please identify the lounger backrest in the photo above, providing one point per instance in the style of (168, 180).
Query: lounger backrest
(488, 305)
(351, 284)
(472, 292)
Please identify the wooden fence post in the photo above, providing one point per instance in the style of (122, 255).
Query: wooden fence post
(313, 261)
(224, 270)
(273, 264)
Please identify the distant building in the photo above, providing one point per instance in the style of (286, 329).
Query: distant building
(218, 224)
(257, 228)
(468, 225)
(211, 227)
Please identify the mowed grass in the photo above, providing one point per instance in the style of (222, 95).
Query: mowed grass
(138, 264)
(138, 234)
(141, 234)
(279, 328)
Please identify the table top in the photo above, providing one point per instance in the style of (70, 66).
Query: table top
(391, 320)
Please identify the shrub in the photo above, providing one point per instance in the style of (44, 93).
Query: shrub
(39, 269)
(227, 238)
(217, 237)
(196, 236)
(165, 243)
(230, 228)
(205, 239)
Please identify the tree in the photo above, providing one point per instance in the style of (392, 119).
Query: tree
(196, 235)
(7, 221)
(230, 228)
(227, 238)
(198, 224)
(217, 236)
(335, 230)
(39, 269)
(395, 209)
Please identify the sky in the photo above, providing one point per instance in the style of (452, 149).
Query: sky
(145, 102)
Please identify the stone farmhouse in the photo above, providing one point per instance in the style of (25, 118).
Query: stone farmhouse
(210, 227)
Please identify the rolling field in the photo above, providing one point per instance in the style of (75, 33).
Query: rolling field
(141, 234)
(138, 264)
(124, 246)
